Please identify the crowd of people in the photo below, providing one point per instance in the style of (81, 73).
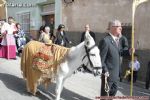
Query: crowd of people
(112, 47)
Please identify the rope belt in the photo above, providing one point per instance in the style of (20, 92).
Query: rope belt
(106, 86)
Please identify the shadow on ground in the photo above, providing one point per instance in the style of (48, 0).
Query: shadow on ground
(18, 85)
(124, 88)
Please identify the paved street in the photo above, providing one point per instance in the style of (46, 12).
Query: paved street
(80, 86)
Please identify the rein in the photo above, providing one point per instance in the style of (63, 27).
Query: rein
(106, 86)
(88, 54)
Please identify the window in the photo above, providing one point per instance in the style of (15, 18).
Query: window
(24, 20)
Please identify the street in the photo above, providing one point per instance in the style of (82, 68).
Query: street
(80, 86)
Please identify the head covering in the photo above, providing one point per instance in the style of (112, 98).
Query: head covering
(46, 27)
(114, 23)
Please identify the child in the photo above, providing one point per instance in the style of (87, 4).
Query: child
(136, 67)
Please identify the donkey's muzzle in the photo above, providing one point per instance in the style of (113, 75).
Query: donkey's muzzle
(97, 71)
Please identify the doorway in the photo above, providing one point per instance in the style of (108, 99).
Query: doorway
(49, 21)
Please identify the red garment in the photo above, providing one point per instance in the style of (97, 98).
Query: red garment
(8, 52)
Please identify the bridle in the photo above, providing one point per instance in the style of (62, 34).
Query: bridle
(88, 54)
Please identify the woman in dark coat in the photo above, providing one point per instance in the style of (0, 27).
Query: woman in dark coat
(61, 38)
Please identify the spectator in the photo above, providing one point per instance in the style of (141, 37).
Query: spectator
(51, 25)
(61, 38)
(47, 30)
(45, 35)
(20, 37)
(124, 46)
(1, 23)
(87, 29)
(136, 67)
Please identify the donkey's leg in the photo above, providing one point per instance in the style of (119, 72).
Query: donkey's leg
(34, 89)
(59, 86)
(31, 88)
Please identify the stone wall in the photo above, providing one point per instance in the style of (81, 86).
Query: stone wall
(100, 12)
(97, 13)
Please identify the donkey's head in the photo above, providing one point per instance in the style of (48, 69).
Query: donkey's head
(92, 58)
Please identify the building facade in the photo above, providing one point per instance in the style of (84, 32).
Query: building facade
(2, 10)
(30, 13)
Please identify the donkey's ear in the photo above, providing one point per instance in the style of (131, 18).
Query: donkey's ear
(87, 38)
(87, 35)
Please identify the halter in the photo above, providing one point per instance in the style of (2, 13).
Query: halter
(88, 56)
(107, 89)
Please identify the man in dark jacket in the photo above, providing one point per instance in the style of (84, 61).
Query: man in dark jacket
(123, 46)
(110, 51)
(87, 29)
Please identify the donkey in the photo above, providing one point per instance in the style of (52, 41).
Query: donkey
(86, 53)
